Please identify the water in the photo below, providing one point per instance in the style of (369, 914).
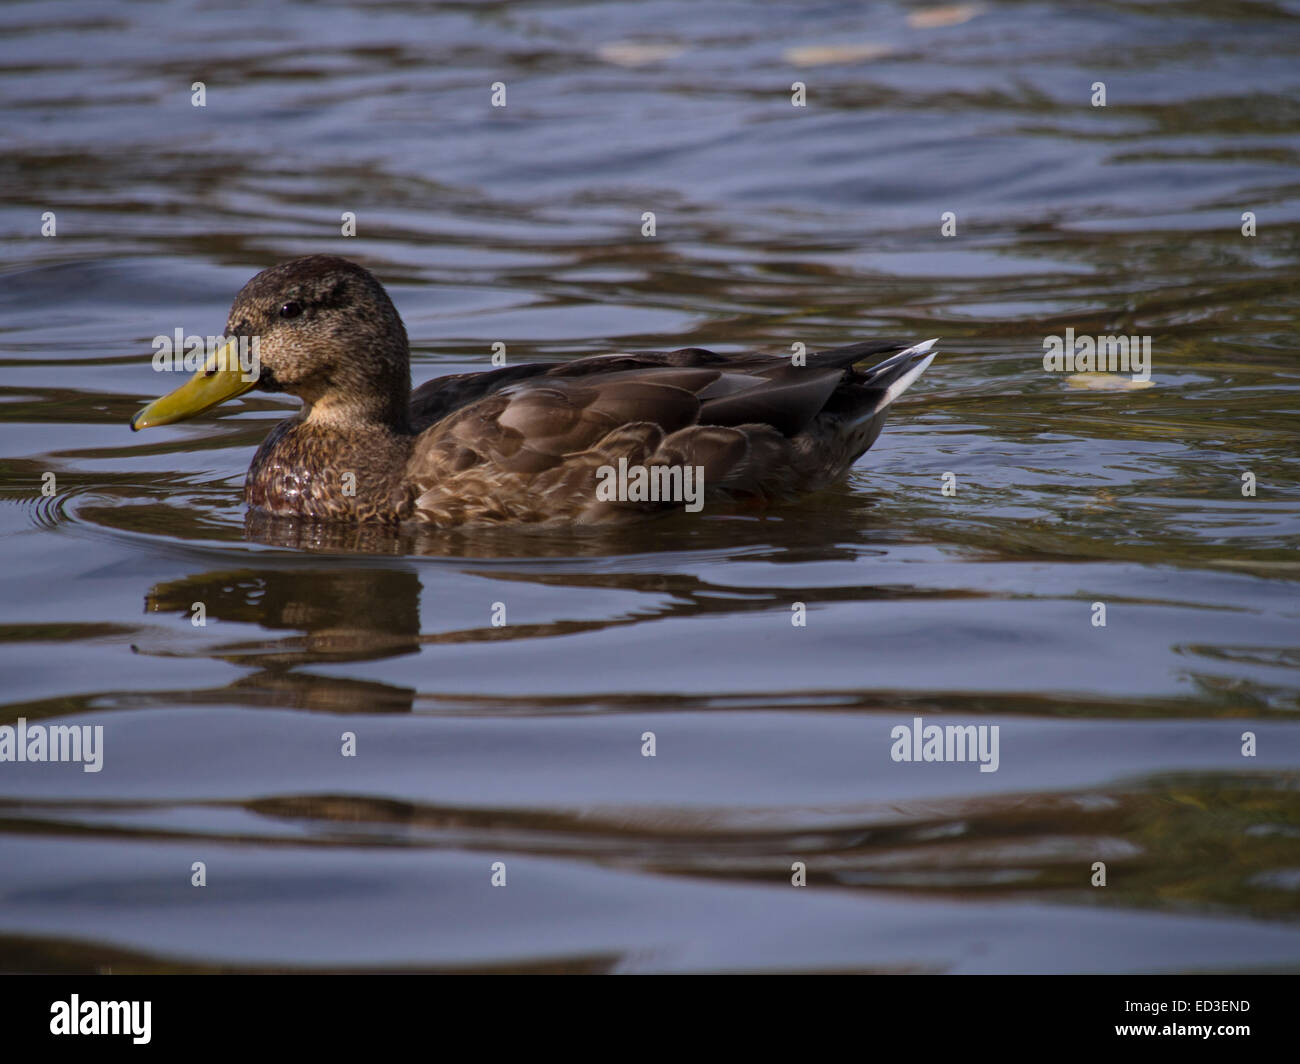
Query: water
(522, 744)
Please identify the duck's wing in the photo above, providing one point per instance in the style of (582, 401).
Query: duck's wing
(441, 396)
(527, 443)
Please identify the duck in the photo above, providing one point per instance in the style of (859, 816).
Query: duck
(597, 440)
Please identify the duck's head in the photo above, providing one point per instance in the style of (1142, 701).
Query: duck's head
(321, 328)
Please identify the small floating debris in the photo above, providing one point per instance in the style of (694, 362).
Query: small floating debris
(930, 18)
(638, 53)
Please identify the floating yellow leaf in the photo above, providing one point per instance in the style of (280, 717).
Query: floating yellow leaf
(1105, 382)
(826, 54)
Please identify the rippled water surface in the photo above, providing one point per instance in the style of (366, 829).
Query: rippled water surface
(522, 743)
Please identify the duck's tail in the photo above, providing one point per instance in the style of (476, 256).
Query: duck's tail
(884, 382)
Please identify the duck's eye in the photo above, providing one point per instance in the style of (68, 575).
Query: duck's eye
(291, 310)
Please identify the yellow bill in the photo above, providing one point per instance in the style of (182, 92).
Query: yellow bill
(221, 378)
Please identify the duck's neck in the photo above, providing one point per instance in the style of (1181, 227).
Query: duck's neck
(345, 400)
(352, 415)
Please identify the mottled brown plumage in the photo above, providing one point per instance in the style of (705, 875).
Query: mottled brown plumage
(527, 443)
